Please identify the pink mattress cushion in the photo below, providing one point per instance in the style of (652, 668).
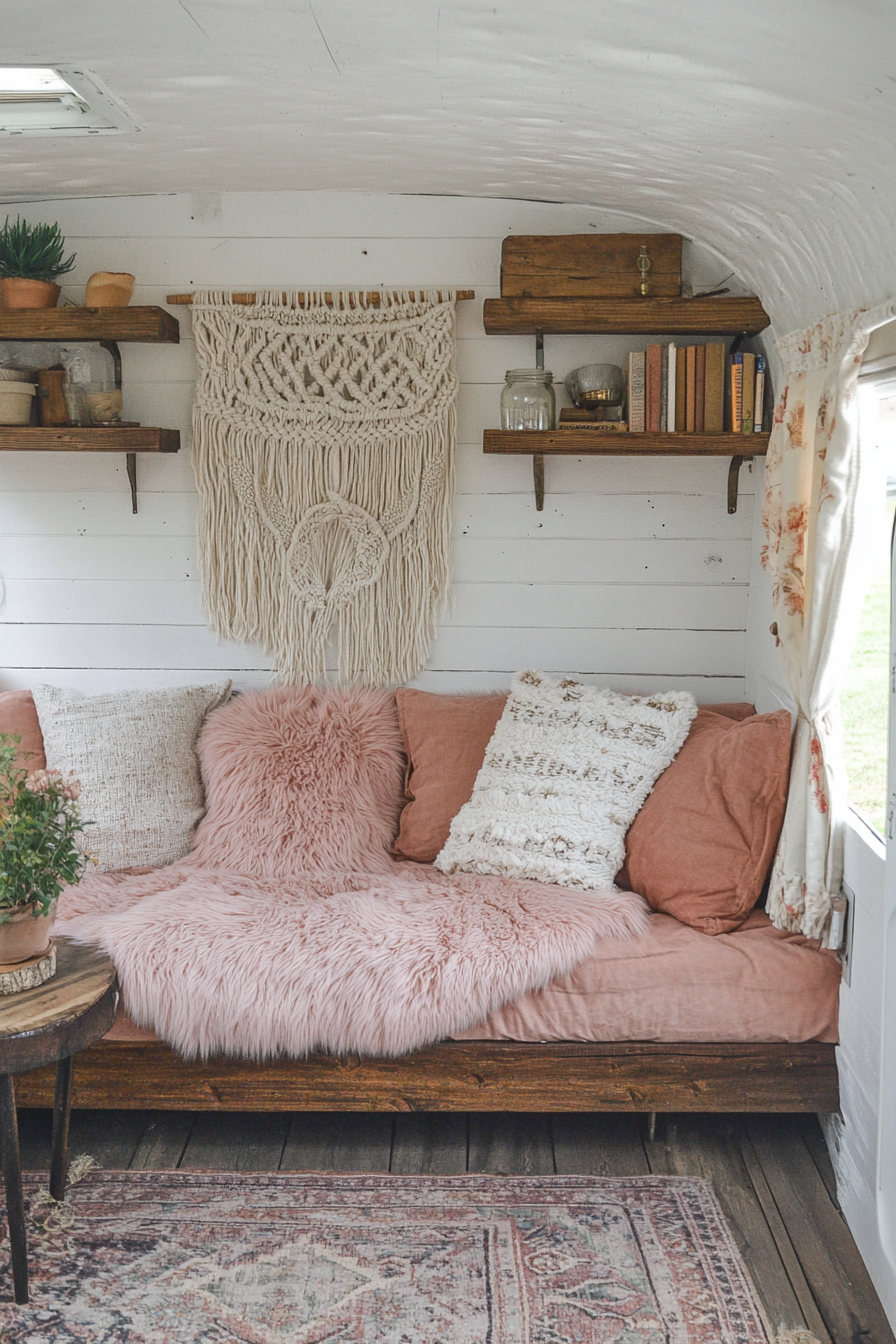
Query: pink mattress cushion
(445, 737)
(671, 984)
(300, 780)
(18, 716)
(676, 984)
(702, 845)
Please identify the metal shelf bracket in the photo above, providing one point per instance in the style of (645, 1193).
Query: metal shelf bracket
(112, 347)
(733, 480)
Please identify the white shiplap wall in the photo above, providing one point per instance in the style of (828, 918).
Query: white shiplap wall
(633, 576)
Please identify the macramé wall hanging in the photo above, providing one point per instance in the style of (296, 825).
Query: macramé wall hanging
(323, 437)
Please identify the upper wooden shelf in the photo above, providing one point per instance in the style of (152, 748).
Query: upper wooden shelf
(581, 443)
(101, 439)
(577, 316)
(150, 325)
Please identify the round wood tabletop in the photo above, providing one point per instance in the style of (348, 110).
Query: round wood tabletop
(63, 1015)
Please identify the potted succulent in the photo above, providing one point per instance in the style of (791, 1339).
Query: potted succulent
(39, 852)
(31, 260)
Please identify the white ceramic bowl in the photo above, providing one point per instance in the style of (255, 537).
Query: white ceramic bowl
(15, 403)
(15, 376)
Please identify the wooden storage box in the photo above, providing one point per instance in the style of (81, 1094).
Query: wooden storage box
(585, 265)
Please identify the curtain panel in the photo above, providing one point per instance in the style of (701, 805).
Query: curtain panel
(815, 478)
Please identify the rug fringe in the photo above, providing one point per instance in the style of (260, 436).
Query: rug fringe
(795, 1337)
(59, 1217)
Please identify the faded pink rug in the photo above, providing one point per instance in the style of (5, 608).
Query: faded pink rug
(290, 929)
(170, 1257)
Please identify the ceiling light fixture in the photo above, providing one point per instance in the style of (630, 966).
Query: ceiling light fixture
(59, 100)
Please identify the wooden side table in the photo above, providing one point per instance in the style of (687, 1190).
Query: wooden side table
(49, 1025)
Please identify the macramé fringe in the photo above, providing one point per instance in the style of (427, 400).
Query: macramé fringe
(324, 434)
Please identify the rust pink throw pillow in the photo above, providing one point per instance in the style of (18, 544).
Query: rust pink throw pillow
(701, 846)
(445, 737)
(299, 779)
(18, 715)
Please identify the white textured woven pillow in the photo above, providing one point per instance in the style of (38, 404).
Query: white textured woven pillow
(564, 776)
(135, 755)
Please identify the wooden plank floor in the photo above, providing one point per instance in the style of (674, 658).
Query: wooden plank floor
(770, 1174)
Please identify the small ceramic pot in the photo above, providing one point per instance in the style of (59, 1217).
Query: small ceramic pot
(15, 403)
(22, 936)
(16, 292)
(109, 289)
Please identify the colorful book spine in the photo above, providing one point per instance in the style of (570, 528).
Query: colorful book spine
(737, 394)
(700, 389)
(681, 368)
(714, 399)
(595, 426)
(749, 391)
(654, 386)
(672, 388)
(636, 392)
(690, 414)
(664, 390)
(759, 398)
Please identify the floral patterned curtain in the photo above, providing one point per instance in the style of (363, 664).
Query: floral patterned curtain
(813, 480)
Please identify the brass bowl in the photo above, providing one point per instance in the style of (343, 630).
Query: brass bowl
(596, 387)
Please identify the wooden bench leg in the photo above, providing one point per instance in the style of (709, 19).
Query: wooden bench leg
(12, 1177)
(62, 1110)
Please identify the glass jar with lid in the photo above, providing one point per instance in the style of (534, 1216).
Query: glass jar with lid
(528, 400)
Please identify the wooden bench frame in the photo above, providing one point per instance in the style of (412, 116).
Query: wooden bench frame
(459, 1076)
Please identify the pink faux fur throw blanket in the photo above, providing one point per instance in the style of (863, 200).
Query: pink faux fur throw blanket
(290, 929)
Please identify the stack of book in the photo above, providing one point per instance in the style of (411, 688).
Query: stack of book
(747, 393)
(571, 417)
(682, 390)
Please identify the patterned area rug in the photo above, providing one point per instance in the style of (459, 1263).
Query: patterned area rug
(170, 1257)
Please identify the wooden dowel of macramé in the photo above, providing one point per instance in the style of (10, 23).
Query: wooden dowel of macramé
(373, 297)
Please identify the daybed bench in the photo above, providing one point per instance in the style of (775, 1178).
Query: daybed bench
(672, 1020)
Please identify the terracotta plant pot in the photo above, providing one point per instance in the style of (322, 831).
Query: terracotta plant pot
(22, 936)
(109, 289)
(16, 292)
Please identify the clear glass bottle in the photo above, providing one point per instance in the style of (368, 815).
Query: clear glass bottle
(528, 400)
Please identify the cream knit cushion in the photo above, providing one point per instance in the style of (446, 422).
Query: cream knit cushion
(564, 776)
(135, 755)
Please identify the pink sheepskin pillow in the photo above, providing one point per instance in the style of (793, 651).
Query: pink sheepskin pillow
(298, 779)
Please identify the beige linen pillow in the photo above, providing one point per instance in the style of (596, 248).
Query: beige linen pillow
(563, 778)
(135, 755)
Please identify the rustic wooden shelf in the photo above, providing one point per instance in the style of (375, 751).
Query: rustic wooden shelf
(149, 324)
(543, 443)
(143, 439)
(588, 442)
(614, 317)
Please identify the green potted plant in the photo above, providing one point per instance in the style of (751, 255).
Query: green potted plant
(32, 257)
(39, 852)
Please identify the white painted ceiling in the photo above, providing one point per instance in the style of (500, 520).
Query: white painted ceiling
(765, 128)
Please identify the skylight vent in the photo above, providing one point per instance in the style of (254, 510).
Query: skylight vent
(58, 100)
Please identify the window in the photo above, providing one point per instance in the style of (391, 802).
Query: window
(865, 699)
(58, 100)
